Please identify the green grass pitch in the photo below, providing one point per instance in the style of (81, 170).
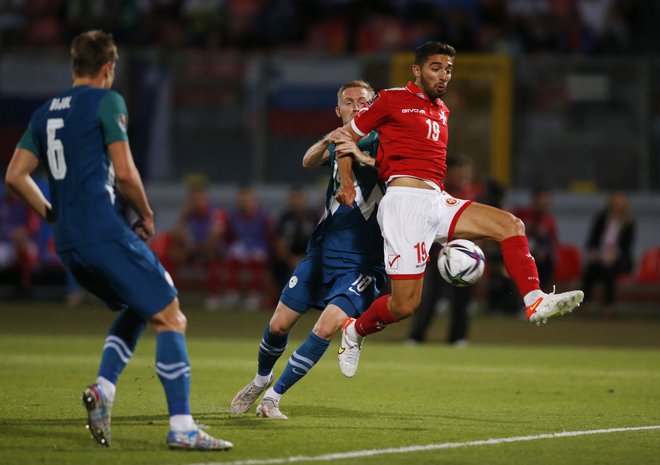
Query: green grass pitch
(402, 396)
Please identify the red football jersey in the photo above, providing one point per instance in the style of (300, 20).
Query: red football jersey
(412, 131)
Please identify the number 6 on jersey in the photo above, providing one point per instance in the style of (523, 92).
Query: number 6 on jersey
(55, 151)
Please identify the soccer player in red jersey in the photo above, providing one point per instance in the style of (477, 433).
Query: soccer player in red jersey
(412, 125)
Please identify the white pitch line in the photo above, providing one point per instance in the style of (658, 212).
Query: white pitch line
(408, 449)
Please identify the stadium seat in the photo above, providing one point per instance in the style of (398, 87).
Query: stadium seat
(649, 268)
(569, 263)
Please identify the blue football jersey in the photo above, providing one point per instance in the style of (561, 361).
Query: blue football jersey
(70, 133)
(352, 235)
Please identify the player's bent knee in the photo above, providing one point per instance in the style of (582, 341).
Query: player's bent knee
(518, 226)
(326, 331)
(510, 226)
(276, 326)
(171, 318)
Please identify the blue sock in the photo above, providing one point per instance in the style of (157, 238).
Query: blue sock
(173, 369)
(271, 348)
(301, 361)
(120, 344)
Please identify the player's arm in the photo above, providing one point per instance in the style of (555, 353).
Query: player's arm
(129, 184)
(317, 154)
(363, 123)
(346, 193)
(113, 117)
(18, 179)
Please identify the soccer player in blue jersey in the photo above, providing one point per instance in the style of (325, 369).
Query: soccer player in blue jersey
(343, 271)
(80, 137)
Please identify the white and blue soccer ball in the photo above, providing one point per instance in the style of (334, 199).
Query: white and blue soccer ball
(461, 262)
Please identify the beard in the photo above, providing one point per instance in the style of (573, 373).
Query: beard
(429, 90)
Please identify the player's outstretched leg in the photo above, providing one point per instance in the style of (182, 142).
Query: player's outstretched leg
(549, 305)
(98, 413)
(521, 267)
(349, 348)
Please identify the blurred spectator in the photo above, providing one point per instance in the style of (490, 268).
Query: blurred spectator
(459, 183)
(198, 238)
(605, 24)
(294, 228)
(339, 27)
(250, 233)
(19, 227)
(609, 249)
(542, 234)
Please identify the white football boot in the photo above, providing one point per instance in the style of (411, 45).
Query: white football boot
(349, 348)
(552, 304)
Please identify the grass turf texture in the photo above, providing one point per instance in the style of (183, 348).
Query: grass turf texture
(401, 396)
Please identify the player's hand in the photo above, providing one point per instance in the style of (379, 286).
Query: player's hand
(351, 149)
(340, 135)
(346, 195)
(144, 228)
(346, 148)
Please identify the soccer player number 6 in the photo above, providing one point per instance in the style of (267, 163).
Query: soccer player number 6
(56, 161)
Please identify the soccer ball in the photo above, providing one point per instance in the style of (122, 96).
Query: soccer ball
(461, 262)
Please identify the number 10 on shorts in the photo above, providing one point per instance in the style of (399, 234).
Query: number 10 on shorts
(360, 284)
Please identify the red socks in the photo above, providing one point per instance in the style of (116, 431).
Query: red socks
(520, 264)
(375, 318)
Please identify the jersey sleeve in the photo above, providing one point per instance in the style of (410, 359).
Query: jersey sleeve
(373, 116)
(28, 143)
(114, 118)
(373, 145)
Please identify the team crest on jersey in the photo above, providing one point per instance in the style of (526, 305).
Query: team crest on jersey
(451, 201)
(123, 122)
(293, 281)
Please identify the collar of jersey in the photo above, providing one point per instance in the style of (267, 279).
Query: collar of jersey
(417, 92)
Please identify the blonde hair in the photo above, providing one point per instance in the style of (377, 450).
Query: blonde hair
(356, 83)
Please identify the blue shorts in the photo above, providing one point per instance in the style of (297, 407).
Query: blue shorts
(315, 284)
(124, 274)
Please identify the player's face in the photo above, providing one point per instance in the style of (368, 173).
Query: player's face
(434, 75)
(352, 101)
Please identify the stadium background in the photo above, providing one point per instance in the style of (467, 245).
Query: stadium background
(563, 93)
